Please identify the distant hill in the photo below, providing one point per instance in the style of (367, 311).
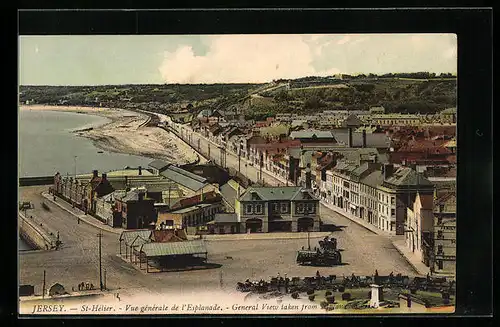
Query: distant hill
(411, 93)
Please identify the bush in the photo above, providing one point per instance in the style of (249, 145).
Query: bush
(323, 304)
(312, 297)
(413, 290)
(446, 301)
(341, 288)
(327, 293)
(445, 295)
(346, 296)
(310, 291)
(330, 299)
(295, 295)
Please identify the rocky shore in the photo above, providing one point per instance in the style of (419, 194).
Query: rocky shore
(126, 133)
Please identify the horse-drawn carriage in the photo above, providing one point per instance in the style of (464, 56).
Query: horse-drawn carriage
(326, 254)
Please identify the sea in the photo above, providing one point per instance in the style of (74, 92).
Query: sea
(46, 145)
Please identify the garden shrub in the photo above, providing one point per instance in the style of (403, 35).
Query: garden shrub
(346, 296)
(312, 297)
(330, 299)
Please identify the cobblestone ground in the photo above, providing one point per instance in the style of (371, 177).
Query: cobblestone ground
(77, 260)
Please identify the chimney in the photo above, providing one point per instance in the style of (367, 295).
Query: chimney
(95, 173)
(364, 138)
(349, 141)
(308, 176)
(140, 170)
(104, 176)
(388, 169)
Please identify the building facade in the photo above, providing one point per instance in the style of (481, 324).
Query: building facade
(269, 209)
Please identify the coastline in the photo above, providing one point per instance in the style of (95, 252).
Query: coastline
(125, 134)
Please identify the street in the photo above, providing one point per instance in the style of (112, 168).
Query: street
(77, 260)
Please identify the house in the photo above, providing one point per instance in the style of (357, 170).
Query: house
(445, 225)
(377, 193)
(313, 136)
(158, 166)
(419, 227)
(224, 223)
(214, 131)
(135, 210)
(352, 121)
(191, 216)
(230, 192)
(269, 209)
(187, 181)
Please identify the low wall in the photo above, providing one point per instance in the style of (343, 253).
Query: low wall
(38, 180)
(36, 237)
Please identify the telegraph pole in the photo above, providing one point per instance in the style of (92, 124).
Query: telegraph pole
(99, 235)
(43, 287)
(308, 240)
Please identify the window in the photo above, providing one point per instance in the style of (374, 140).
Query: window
(248, 208)
(440, 249)
(284, 208)
(393, 200)
(258, 209)
(311, 208)
(393, 212)
(275, 207)
(440, 234)
(300, 208)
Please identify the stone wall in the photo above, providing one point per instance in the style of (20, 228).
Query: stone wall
(35, 235)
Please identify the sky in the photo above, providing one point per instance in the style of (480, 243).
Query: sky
(159, 59)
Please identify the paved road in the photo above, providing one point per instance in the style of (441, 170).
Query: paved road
(77, 260)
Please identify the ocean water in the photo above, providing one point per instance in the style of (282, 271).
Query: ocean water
(46, 145)
(23, 246)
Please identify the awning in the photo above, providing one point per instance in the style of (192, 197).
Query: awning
(174, 248)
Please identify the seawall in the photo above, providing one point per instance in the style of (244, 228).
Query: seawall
(36, 180)
(36, 236)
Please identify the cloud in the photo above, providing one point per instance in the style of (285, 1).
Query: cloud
(238, 58)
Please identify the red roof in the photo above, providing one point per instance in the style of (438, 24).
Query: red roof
(194, 200)
(278, 145)
(166, 235)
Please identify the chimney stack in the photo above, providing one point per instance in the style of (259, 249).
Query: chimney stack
(388, 169)
(140, 170)
(364, 138)
(349, 141)
(95, 173)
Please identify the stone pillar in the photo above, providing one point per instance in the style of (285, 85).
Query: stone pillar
(316, 226)
(294, 226)
(376, 295)
(265, 226)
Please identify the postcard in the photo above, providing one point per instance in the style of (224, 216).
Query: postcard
(249, 174)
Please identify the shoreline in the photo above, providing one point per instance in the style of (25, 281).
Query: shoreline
(125, 134)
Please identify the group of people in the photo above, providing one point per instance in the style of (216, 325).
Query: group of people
(85, 286)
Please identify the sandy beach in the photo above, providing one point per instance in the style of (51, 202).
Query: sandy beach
(125, 133)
